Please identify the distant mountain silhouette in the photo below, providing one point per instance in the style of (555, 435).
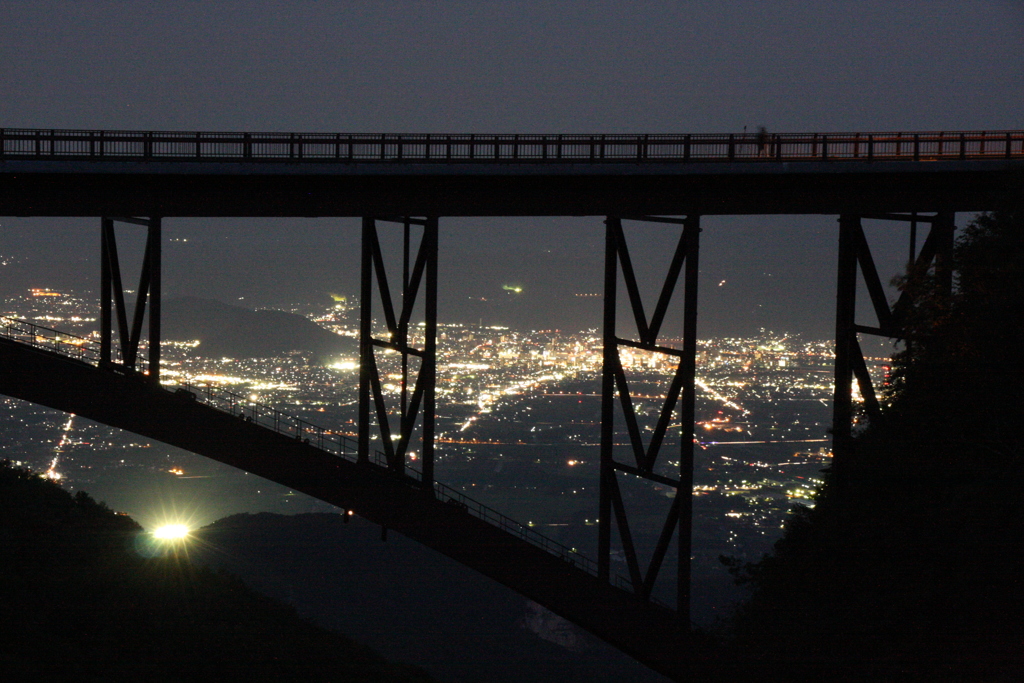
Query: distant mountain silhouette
(236, 332)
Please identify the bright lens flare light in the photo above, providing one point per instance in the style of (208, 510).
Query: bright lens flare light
(171, 532)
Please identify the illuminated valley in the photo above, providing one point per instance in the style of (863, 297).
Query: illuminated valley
(518, 428)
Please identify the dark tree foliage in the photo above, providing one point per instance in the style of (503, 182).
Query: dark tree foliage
(77, 602)
(957, 386)
(910, 567)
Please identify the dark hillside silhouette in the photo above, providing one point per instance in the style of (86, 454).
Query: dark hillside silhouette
(407, 601)
(956, 386)
(909, 567)
(237, 332)
(78, 602)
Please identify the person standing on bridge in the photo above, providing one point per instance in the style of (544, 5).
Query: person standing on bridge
(762, 142)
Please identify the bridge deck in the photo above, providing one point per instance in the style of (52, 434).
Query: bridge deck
(94, 173)
(646, 631)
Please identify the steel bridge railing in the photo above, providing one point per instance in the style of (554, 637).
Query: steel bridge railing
(24, 143)
(25, 332)
(329, 441)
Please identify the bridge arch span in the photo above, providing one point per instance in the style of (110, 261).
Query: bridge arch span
(125, 400)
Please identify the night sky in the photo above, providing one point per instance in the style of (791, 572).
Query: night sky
(504, 67)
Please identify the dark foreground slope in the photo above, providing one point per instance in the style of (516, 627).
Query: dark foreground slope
(416, 605)
(80, 599)
(911, 565)
(905, 575)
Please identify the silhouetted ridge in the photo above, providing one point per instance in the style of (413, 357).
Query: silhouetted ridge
(79, 603)
(235, 332)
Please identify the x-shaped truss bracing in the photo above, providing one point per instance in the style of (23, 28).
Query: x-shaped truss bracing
(418, 273)
(680, 395)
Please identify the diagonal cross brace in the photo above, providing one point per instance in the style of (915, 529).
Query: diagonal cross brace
(421, 278)
(612, 506)
(648, 329)
(646, 457)
(113, 303)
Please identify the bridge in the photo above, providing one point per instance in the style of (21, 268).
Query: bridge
(125, 178)
(125, 173)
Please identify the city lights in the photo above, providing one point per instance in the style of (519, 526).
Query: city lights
(514, 407)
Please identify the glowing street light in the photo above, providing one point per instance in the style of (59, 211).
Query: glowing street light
(171, 532)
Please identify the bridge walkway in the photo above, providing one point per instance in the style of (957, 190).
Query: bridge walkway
(47, 172)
